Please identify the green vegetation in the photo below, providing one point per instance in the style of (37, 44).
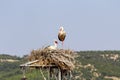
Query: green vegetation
(90, 65)
(97, 64)
(6, 56)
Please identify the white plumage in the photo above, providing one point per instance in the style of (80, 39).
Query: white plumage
(53, 47)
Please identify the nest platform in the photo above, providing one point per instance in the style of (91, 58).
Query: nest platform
(64, 59)
(60, 59)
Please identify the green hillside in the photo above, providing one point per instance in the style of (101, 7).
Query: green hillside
(97, 65)
(90, 65)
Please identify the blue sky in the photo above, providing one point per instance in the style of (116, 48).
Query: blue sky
(32, 24)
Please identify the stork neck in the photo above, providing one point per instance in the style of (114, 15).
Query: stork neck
(55, 44)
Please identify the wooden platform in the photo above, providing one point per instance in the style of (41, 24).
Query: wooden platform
(33, 64)
(59, 72)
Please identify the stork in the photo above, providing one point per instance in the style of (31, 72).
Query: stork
(61, 35)
(53, 47)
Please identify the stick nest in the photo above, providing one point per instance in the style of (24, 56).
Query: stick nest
(59, 57)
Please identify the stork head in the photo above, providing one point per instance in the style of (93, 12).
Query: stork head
(61, 28)
(55, 42)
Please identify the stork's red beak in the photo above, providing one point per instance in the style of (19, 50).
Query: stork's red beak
(60, 29)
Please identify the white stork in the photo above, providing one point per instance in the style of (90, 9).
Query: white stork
(61, 34)
(53, 47)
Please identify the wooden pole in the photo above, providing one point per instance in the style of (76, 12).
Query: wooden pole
(59, 74)
(70, 75)
(42, 74)
(49, 73)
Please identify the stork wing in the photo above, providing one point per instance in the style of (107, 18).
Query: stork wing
(61, 36)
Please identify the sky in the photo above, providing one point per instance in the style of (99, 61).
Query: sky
(32, 24)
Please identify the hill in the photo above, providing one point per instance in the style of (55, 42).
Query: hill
(98, 65)
(9, 66)
(90, 65)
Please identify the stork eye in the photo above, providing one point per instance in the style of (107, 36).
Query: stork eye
(56, 42)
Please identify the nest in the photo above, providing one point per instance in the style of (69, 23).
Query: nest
(59, 57)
